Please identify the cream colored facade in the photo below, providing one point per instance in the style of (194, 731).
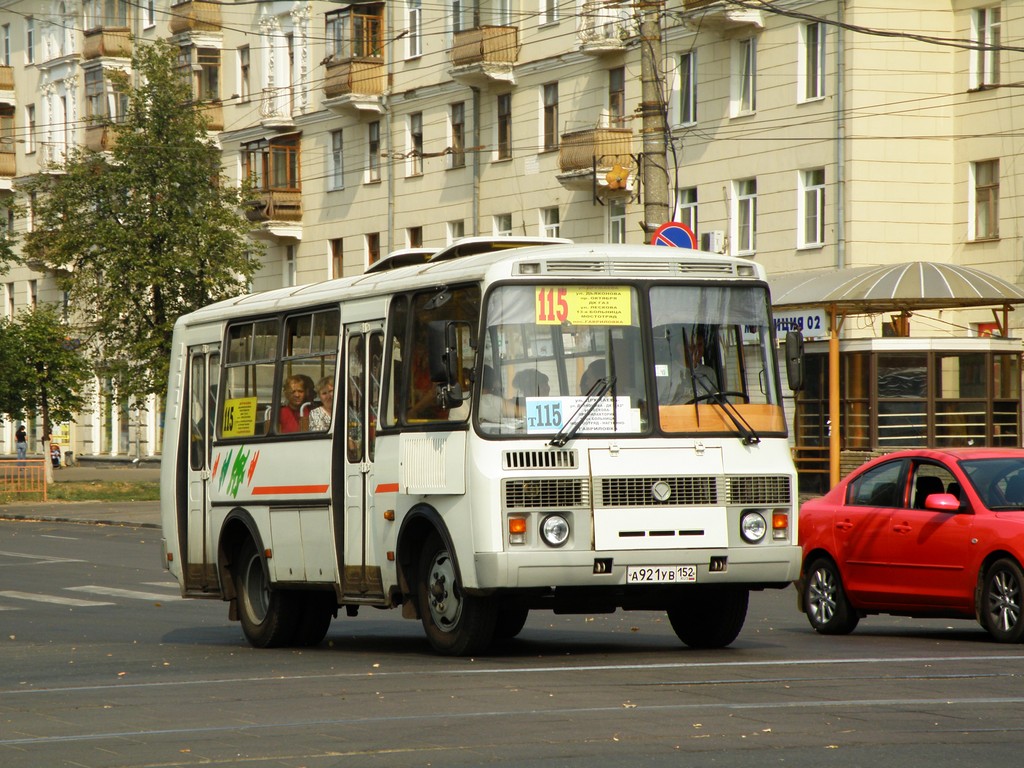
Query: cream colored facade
(863, 137)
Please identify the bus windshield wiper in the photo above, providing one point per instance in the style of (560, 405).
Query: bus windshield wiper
(597, 391)
(747, 433)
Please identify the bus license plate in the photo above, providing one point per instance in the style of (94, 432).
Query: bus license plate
(660, 574)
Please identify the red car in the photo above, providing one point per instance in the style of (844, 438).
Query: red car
(924, 533)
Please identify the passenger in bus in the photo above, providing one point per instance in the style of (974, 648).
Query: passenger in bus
(492, 404)
(320, 417)
(298, 399)
(593, 374)
(529, 382)
(690, 378)
(423, 394)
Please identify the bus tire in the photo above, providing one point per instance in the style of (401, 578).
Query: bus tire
(510, 621)
(456, 624)
(318, 609)
(269, 616)
(709, 617)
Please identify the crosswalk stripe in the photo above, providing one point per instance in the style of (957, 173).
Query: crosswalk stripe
(52, 599)
(129, 593)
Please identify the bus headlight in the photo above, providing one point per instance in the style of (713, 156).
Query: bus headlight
(554, 530)
(753, 527)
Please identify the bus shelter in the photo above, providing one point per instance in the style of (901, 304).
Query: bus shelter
(866, 396)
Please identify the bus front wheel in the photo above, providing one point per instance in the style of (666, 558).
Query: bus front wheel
(709, 617)
(268, 615)
(456, 624)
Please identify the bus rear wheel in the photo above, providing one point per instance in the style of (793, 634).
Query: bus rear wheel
(456, 624)
(709, 617)
(268, 615)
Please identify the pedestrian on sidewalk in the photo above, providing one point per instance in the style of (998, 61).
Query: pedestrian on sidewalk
(21, 442)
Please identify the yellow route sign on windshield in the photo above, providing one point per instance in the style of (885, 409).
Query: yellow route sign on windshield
(583, 305)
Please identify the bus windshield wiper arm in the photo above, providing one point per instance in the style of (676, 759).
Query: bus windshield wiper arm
(747, 433)
(572, 426)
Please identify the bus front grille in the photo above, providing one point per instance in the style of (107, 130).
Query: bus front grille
(560, 459)
(651, 491)
(546, 493)
(758, 489)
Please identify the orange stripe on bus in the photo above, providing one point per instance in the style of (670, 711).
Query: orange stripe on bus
(272, 490)
(387, 488)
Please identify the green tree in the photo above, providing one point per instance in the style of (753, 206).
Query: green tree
(147, 232)
(45, 370)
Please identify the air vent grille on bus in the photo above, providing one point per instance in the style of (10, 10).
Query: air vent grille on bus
(640, 491)
(546, 493)
(575, 268)
(712, 268)
(541, 459)
(758, 489)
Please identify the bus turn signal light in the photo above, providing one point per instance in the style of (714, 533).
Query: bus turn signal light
(517, 530)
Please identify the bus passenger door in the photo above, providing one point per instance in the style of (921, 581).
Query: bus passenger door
(355, 436)
(199, 570)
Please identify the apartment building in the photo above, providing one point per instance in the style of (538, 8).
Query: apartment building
(807, 135)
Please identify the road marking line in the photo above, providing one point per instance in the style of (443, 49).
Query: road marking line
(52, 599)
(130, 593)
(41, 559)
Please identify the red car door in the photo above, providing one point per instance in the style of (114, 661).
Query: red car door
(928, 549)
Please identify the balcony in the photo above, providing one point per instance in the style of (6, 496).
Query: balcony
(276, 109)
(485, 55)
(7, 86)
(195, 16)
(355, 84)
(718, 15)
(586, 157)
(605, 27)
(213, 111)
(100, 138)
(278, 212)
(107, 42)
(8, 167)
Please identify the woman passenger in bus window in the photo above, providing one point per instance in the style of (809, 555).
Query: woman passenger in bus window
(298, 399)
(320, 417)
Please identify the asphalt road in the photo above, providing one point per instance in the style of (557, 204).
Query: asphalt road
(103, 666)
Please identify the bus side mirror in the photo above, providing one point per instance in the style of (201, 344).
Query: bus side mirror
(443, 351)
(795, 359)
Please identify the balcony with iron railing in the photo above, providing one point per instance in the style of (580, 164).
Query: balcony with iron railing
(107, 42)
(485, 55)
(195, 16)
(585, 157)
(355, 84)
(605, 26)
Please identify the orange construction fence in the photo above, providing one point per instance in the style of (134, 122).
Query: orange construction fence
(23, 476)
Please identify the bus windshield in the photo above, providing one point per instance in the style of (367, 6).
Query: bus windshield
(619, 359)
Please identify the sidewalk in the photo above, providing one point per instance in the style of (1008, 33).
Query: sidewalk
(143, 514)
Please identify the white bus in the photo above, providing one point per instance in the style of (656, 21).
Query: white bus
(516, 425)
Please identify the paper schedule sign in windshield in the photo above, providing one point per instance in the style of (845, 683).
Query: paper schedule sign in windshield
(546, 415)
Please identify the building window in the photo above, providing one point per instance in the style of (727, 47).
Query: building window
(273, 164)
(456, 230)
(337, 256)
(30, 40)
(6, 53)
(458, 23)
(503, 225)
(550, 225)
(203, 67)
(415, 167)
(504, 126)
(30, 125)
(744, 82)
(337, 169)
(372, 248)
(688, 88)
(290, 271)
(149, 14)
(415, 36)
(9, 303)
(548, 12)
(457, 141)
(686, 207)
(244, 73)
(985, 189)
(811, 62)
(616, 221)
(985, 34)
(617, 97)
(356, 32)
(414, 237)
(811, 209)
(745, 216)
(550, 120)
(373, 151)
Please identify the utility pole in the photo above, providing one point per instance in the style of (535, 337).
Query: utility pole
(653, 120)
